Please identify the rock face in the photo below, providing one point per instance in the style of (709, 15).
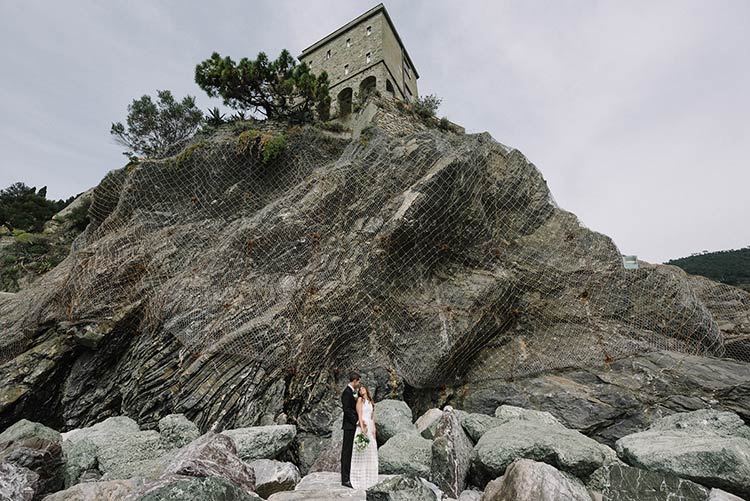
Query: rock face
(231, 290)
(451, 454)
(708, 447)
(527, 480)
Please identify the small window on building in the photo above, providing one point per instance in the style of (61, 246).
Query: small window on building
(367, 57)
(328, 54)
(348, 42)
(346, 69)
(369, 31)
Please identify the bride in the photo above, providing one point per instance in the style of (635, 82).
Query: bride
(364, 472)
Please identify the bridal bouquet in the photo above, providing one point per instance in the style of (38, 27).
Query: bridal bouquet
(361, 441)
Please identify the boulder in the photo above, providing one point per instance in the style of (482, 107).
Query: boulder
(36, 447)
(274, 476)
(506, 413)
(116, 449)
(451, 454)
(470, 495)
(212, 455)
(427, 423)
(719, 495)
(567, 450)
(409, 453)
(17, 483)
(110, 490)
(262, 442)
(401, 488)
(177, 430)
(322, 486)
(476, 424)
(329, 459)
(307, 448)
(178, 488)
(392, 417)
(625, 483)
(527, 480)
(709, 447)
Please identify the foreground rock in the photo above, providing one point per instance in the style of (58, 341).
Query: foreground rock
(451, 454)
(625, 483)
(17, 483)
(274, 476)
(95, 491)
(401, 488)
(177, 488)
(426, 424)
(393, 417)
(708, 447)
(322, 486)
(177, 430)
(35, 447)
(212, 455)
(527, 480)
(262, 442)
(567, 450)
(114, 449)
(407, 453)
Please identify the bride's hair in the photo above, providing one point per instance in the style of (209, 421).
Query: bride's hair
(368, 395)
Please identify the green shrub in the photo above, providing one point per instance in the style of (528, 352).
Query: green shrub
(332, 126)
(79, 216)
(426, 106)
(273, 148)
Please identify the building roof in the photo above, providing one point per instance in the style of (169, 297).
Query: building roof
(370, 13)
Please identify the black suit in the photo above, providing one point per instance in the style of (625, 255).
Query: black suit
(349, 425)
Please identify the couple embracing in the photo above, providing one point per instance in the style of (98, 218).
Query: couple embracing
(359, 450)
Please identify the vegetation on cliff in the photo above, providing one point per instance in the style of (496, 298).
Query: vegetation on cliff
(731, 267)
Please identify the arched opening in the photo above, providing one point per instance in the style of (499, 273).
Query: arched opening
(345, 102)
(389, 88)
(367, 86)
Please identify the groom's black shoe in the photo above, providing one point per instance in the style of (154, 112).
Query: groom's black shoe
(347, 484)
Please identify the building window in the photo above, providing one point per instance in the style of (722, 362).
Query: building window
(328, 54)
(368, 58)
(346, 69)
(406, 70)
(348, 42)
(369, 31)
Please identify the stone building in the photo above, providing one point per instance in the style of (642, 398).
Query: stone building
(364, 54)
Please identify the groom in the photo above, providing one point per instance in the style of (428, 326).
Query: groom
(349, 425)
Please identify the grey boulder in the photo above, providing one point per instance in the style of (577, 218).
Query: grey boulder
(262, 442)
(527, 480)
(406, 453)
(392, 417)
(17, 483)
(401, 488)
(567, 450)
(625, 483)
(110, 490)
(178, 488)
(426, 424)
(36, 447)
(178, 430)
(274, 476)
(707, 446)
(451, 454)
(212, 455)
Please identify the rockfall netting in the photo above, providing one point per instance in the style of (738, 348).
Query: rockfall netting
(438, 255)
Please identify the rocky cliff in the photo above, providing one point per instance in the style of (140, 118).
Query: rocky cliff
(237, 286)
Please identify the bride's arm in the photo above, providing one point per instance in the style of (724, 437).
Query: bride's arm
(359, 415)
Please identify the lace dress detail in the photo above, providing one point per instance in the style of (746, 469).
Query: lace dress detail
(364, 472)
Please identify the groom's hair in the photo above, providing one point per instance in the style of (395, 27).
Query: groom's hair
(353, 376)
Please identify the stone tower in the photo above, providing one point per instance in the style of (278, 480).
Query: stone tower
(363, 55)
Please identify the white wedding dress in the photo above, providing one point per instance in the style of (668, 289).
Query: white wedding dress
(364, 471)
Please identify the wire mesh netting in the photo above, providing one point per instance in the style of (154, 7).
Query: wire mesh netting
(440, 255)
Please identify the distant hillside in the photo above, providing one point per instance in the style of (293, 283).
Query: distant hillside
(730, 267)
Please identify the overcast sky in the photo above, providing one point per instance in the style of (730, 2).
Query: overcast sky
(637, 113)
